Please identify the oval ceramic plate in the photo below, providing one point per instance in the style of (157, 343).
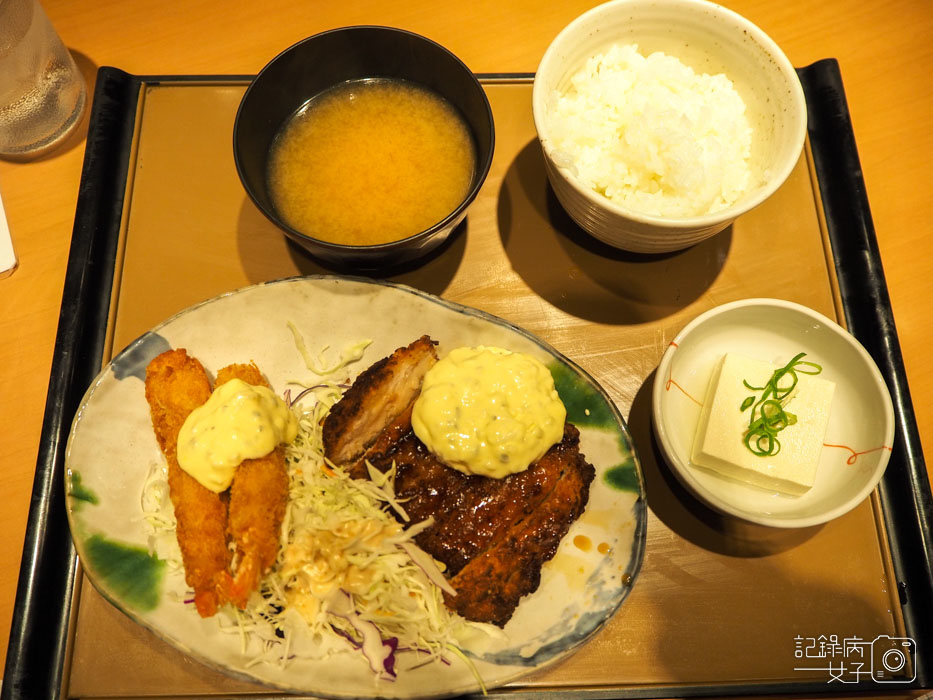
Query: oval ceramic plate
(859, 435)
(112, 448)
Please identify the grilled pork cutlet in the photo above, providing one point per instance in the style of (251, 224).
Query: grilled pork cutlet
(491, 585)
(492, 535)
(378, 398)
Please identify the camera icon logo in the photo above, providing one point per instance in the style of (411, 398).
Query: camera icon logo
(892, 659)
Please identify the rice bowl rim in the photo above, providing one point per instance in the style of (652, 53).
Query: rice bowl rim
(719, 14)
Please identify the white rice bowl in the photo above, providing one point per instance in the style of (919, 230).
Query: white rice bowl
(685, 130)
(651, 134)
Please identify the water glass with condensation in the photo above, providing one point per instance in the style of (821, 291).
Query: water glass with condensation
(42, 92)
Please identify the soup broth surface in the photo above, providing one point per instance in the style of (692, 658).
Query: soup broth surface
(370, 162)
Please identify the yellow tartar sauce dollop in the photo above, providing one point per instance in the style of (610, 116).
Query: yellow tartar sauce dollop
(488, 411)
(239, 421)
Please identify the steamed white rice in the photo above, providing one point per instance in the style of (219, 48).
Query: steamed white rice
(652, 135)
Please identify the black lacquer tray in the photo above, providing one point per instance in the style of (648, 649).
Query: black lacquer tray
(44, 619)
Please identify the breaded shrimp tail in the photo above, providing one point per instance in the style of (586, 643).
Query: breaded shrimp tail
(258, 497)
(176, 384)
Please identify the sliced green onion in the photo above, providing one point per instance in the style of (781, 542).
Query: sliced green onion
(768, 417)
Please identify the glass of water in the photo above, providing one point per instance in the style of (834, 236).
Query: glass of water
(42, 92)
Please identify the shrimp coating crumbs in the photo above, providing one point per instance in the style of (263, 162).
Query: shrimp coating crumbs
(258, 498)
(247, 516)
(176, 384)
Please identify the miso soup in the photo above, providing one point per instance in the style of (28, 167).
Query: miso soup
(370, 162)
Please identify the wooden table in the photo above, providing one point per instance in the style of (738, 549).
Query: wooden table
(883, 49)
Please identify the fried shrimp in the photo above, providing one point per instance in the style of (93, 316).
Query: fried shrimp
(176, 384)
(258, 498)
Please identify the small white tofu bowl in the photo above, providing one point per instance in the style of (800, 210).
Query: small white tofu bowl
(859, 434)
(711, 40)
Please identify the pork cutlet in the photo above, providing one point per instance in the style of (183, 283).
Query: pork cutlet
(492, 535)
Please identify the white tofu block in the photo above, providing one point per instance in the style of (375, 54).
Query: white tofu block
(720, 440)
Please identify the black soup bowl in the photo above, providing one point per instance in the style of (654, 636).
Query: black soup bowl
(331, 58)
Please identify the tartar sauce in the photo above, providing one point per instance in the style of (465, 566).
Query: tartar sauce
(488, 411)
(239, 421)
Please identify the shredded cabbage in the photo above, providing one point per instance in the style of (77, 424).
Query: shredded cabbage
(350, 354)
(342, 566)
